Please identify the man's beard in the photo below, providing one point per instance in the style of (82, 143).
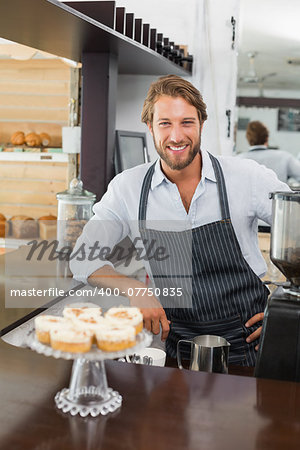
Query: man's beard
(180, 164)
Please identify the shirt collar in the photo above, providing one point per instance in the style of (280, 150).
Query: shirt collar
(158, 175)
(207, 171)
(207, 167)
(255, 147)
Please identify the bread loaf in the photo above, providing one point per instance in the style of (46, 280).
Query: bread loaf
(18, 138)
(24, 227)
(45, 139)
(33, 140)
(46, 218)
(48, 227)
(3, 226)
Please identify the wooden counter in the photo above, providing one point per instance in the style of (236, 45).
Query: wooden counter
(163, 408)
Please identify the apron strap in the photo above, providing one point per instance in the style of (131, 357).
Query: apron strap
(144, 196)
(221, 187)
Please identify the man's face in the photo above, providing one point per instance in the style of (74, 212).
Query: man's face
(176, 131)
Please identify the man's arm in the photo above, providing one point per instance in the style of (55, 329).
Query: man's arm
(265, 181)
(138, 294)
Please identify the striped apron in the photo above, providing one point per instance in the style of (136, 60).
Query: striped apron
(220, 291)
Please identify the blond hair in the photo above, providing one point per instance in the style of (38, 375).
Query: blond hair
(173, 86)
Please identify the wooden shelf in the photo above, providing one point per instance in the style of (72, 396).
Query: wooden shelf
(34, 156)
(56, 28)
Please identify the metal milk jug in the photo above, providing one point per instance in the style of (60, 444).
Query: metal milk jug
(208, 353)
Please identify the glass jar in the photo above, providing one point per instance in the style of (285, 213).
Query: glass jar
(74, 210)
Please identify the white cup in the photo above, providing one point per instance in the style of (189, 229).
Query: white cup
(158, 356)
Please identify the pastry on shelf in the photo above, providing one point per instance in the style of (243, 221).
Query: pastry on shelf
(23, 227)
(4, 228)
(45, 139)
(33, 140)
(18, 138)
(47, 227)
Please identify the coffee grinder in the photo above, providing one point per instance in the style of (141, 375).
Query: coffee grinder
(279, 349)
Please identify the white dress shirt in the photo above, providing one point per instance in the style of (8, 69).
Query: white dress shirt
(116, 214)
(283, 163)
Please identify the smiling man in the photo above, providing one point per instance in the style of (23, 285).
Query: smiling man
(209, 282)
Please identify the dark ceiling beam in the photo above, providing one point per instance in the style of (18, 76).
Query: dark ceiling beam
(268, 102)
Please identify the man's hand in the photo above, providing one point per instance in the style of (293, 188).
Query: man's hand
(140, 296)
(153, 313)
(256, 318)
(155, 317)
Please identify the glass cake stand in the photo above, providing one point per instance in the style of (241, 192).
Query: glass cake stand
(88, 392)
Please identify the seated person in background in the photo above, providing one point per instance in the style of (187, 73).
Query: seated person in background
(282, 163)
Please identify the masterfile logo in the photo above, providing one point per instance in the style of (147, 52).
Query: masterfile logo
(149, 250)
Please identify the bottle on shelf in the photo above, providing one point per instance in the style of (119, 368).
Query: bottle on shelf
(159, 43)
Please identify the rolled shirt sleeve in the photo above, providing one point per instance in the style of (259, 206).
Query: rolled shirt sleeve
(265, 181)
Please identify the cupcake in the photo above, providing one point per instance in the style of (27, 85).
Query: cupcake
(74, 310)
(71, 340)
(112, 338)
(45, 323)
(88, 321)
(126, 316)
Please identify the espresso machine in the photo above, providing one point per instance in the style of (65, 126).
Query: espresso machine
(279, 349)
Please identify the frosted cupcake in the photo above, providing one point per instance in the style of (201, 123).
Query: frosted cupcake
(126, 316)
(74, 341)
(46, 323)
(111, 338)
(75, 310)
(88, 321)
